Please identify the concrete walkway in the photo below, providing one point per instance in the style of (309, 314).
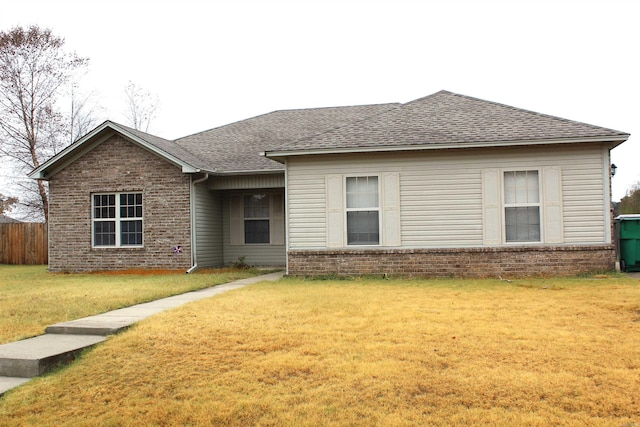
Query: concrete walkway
(62, 342)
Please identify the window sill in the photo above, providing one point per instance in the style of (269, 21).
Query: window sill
(101, 248)
(523, 243)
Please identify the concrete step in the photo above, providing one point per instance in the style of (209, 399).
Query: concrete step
(36, 356)
(7, 383)
(22, 360)
(115, 321)
(102, 324)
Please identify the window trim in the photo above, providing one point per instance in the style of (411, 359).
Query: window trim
(117, 219)
(245, 218)
(235, 212)
(506, 205)
(376, 209)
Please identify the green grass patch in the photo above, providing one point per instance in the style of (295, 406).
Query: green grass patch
(32, 299)
(363, 352)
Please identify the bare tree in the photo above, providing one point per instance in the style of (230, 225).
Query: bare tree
(6, 203)
(82, 116)
(34, 70)
(141, 106)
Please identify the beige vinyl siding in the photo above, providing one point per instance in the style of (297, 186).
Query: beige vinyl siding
(208, 208)
(306, 198)
(586, 224)
(441, 199)
(391, 232)
(551, 205)
(492, 206)
(241, 182)
(440, 207)
(257, 254)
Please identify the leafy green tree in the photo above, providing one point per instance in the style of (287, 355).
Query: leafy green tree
(630, 204)
(34, 73)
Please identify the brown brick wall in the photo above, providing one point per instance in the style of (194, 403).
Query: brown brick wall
(119, 166)
(469, 262)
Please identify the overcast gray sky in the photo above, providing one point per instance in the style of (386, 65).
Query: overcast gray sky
(215, 62)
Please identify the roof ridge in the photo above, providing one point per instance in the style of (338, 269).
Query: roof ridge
(220, 127)
(336, 107)
(289, 110)
(413, 101)
(524, 110)
(142, 134)
(448, 117)
(137, 132)
(395, 105)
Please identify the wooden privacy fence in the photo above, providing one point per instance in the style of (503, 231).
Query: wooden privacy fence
(24, 243)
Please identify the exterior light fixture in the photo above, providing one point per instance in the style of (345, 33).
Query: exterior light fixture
(613, 169)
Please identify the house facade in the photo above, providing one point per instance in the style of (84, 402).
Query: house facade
(89, 211)
(446, 185)
(477, 212)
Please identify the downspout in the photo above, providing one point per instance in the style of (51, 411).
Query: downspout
(608, 206)
(286, 216)
(194, 258)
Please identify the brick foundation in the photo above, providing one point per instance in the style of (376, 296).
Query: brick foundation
(465, 262)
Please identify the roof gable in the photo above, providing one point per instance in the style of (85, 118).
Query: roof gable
(166, 149)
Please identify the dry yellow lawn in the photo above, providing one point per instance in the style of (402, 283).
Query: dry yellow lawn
(32, 299)
(363, 353)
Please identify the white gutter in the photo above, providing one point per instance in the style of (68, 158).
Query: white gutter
(286, 218)
(250, 172)
(192, 208)
(606, 190)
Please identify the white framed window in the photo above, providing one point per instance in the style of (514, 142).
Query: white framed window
(522, 208)
(117, 220)
(532, 200)
(362, 210)
(257, 213)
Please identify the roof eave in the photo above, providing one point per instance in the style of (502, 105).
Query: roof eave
(41, 171)
(250, 172)
(279, 154)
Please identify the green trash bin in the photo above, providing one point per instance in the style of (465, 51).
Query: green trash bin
(628, 227)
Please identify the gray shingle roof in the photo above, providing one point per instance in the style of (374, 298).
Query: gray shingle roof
(449, 118)
(237, 146)
(443, 119)
(169, 147)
